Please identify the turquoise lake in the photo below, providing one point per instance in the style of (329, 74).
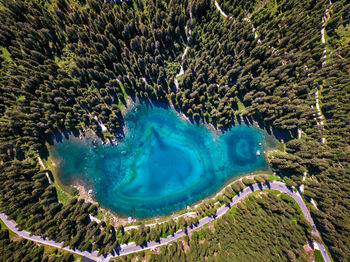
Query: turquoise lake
(163, 164)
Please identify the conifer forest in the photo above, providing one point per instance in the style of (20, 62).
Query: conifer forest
(283, 65)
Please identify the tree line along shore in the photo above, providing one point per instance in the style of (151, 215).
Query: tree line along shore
(72, 65)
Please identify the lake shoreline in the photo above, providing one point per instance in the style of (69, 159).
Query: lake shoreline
(123, 219)
(174, 198)
(119, 219)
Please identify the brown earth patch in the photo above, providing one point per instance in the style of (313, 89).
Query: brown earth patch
(309, 251)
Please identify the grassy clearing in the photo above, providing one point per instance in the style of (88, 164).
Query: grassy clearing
(318, 256)
(275, 178)
(6, 61)
(66, 60)
(5, 53)
(2, 7)
(232, 211)
(62, 195)
(240, 105)
(344, 34)
(3, 226)
(52, 251)
(134, 4)
(281, 147)
(180, 79)
(123, 90)
(20, 98)
(49, 5)
(303, 136)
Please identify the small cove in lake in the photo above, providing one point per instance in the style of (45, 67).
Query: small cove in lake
(163, 164)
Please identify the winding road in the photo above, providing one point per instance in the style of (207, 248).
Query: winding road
(132, 248)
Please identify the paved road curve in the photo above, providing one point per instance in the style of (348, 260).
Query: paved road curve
(131, 248)
(13, 227)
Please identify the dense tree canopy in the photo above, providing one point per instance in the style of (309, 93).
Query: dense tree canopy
(72, 66)
(263, 226)
(23, 250)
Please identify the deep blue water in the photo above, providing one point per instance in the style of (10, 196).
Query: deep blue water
(163, 164)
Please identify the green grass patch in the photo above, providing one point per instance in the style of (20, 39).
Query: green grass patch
(18, 218)
(303, 136)
(281, 147)
(6, 62)
(123, 90)
(295, 220)
(49, 5)
(3, 226)
(134, 4)
(5, 53)
(240, 105)
(232, 211)
(20, 98)
(270, 191)
(2, 7)
(52, 251)
(344, 34)
(100, 214)
(62, 196)
(66, 60)
(318, 256)
(184, 211)
(180, 79)
(200, 235)
(275, 178)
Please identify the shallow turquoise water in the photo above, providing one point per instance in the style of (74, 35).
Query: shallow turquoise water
(163, 164)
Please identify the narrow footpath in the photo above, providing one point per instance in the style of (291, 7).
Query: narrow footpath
(274, 50)
(244, 19)
(132, 248)
(43, 166)
(218, 7)
(188, 34)
(319, 117)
